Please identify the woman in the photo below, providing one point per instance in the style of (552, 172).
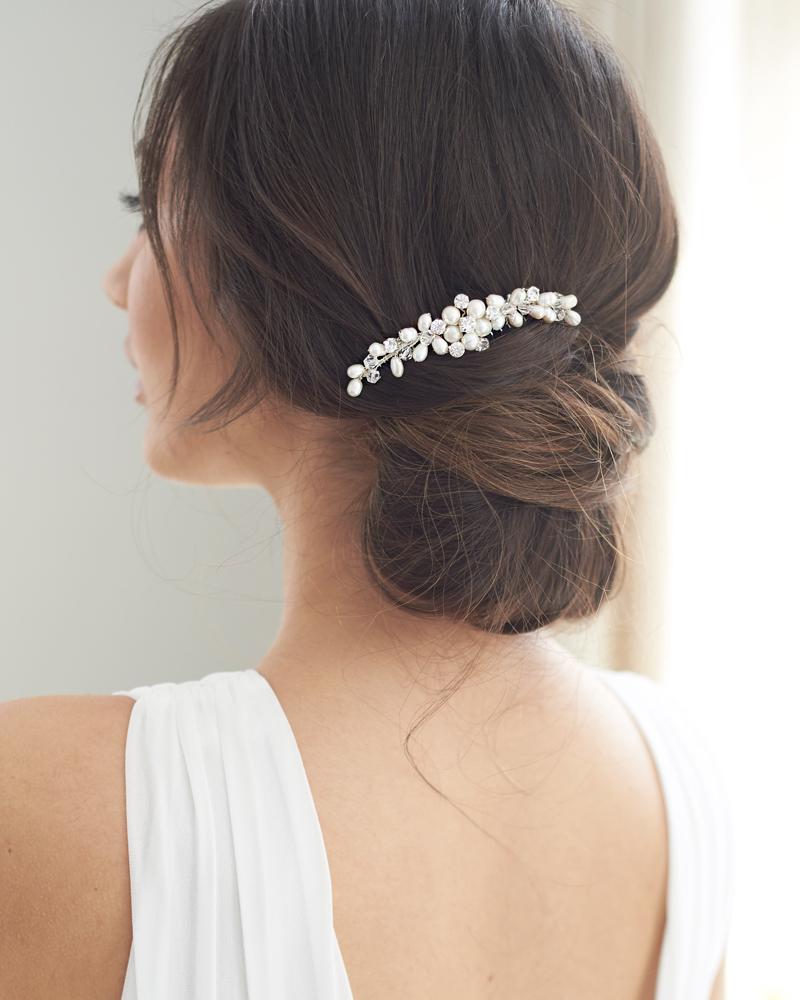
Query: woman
(418, 792)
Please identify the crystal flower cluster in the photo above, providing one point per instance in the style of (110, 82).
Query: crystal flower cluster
(464, 326)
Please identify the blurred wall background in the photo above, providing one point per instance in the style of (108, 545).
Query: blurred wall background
(112, 577)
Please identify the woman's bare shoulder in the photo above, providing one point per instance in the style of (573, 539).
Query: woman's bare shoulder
(64, 884)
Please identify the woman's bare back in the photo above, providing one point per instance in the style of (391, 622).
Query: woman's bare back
(561, 894)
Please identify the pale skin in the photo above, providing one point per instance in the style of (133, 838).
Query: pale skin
(559, 892)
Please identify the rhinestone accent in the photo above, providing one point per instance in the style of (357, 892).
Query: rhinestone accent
(462, 301)
(483, 344)
(467, 324)
(391, 345)
(373, 375)
(406, 353)
(438, 327)
(493, 313)
(425, 338)
(371, 362)
(456, 349)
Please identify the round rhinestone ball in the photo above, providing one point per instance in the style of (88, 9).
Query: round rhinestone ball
(467, 324)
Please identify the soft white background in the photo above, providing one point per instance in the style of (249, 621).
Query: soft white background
(112, 577)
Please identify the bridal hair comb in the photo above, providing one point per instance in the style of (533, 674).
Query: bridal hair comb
(463, 326)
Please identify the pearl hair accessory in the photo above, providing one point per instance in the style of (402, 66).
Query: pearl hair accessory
(463, 326)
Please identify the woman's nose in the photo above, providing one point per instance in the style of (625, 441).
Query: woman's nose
(117, 277)
(115, 283)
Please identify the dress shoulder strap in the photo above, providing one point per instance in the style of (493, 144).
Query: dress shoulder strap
(700, 833)
(230, 886)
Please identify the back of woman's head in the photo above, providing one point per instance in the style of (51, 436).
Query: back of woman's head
(337, 168)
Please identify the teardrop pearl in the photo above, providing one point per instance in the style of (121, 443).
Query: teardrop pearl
(569, 301)
(377, 350)
(440, 345)
(470, 341)
(484, 326)
(476, 308)
(518, 296)
(425, 320)
(452, 333)
(572, 318)
(354, 387)
(407, 334)
(515, 319)
(548, 298)
(420, 352)
(355, 370)
(538, 311)
(494, 300)
(396, 365)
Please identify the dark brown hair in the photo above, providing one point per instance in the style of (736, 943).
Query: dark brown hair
(339, 167)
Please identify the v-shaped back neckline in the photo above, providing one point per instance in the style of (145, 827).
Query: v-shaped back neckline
(667, 942)
(300, 768)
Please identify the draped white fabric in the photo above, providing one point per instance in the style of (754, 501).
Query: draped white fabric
(230, 888)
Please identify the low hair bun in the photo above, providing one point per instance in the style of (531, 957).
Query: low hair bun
(504, 512)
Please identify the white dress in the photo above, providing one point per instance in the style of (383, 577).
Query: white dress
(230, 885)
